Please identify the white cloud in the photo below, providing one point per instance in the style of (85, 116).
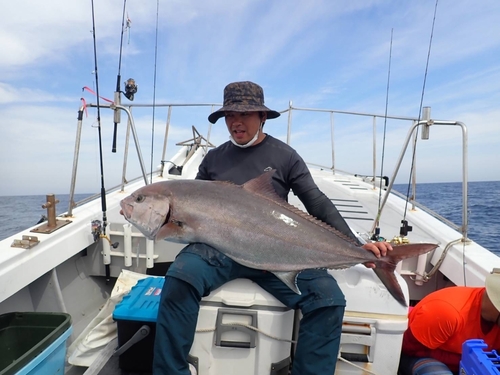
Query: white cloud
(324, 54)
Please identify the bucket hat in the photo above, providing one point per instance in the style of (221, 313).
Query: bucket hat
(243, 97)
(492, 283)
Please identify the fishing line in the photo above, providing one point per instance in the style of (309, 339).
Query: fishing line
(103, 190)
(118, 76)
(404, 227)
(376, 233)
(154, 91)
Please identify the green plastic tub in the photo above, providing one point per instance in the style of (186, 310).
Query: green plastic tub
(32, 342)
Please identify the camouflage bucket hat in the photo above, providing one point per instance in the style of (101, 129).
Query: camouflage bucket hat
(243, 97)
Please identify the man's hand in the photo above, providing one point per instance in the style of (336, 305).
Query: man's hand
(379, 249)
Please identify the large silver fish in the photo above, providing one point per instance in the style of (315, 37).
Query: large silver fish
(253, 226)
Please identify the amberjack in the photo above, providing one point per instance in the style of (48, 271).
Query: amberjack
(255, 227)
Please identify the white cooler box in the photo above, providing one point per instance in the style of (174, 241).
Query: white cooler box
(374, 323)
(224, 343)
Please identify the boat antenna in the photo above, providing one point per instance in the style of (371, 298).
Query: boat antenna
(103, 190)
(405, 228)
(376, 233)
(154, 91)
(118, 79)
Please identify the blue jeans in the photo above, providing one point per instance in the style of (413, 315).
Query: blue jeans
(199, 269)
(422, 366)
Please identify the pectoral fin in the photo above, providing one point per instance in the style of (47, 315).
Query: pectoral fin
(290, 279)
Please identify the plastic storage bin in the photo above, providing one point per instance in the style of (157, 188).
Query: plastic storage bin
(33, 343)
(477, 361)
(137, 309)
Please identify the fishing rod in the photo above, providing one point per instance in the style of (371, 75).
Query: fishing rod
(405, 228)
(100, 230)
(376, 231)
(130, 86)
(154, 91)
(117, 116)
(103, 190)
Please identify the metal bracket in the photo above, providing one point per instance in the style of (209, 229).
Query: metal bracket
(27, 242)
(53, 224)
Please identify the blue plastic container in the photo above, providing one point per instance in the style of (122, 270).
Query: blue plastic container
(138, 308)
(141, 303)
(51, 360)
(33, 343)
(477, 361)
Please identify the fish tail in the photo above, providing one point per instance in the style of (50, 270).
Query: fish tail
(386, 266)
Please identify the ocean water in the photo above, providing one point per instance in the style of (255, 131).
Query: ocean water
(21, 212)
(483, 207)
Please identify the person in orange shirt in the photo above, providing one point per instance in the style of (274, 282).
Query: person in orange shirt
(442, 321)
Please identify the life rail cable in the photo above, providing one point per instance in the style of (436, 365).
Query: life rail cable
(103, 189)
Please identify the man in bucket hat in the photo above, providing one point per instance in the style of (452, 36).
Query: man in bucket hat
(442, 321)
(199, 268)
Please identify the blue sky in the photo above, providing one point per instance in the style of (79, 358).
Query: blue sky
(316, 53)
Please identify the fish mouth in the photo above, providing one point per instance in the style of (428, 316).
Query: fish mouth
(149, 232)
(126, 210)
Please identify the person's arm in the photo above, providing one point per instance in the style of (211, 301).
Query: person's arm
(318, 205)
(202, 170)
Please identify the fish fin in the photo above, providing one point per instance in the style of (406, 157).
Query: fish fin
(388, 278)
(386, 266)
(400, 252)
(262, 185)
(290, 279)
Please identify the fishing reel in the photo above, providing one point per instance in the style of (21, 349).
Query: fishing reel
(403, 232)
(96, 230)
(130, 89)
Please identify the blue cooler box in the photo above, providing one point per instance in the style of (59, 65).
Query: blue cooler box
(477, 361)
(135, 316)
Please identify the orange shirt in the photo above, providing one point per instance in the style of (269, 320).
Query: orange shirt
(448, 317)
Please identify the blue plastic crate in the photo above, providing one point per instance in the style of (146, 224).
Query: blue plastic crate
(51, 360)
(477, 361)
(141, 303)
(138, 308)
(33, 343)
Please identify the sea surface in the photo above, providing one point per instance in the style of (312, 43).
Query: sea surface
(483, 207)
(21, 212)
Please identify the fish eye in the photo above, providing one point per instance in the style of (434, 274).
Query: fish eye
(140, 198)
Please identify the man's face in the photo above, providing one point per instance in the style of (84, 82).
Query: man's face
(244, 125)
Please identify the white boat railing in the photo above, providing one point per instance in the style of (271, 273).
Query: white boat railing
(424, 124)
(130, 128)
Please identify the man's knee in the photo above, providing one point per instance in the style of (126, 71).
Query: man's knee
(320, 290)
(177, 292)
(201, 266)
(430, 366)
